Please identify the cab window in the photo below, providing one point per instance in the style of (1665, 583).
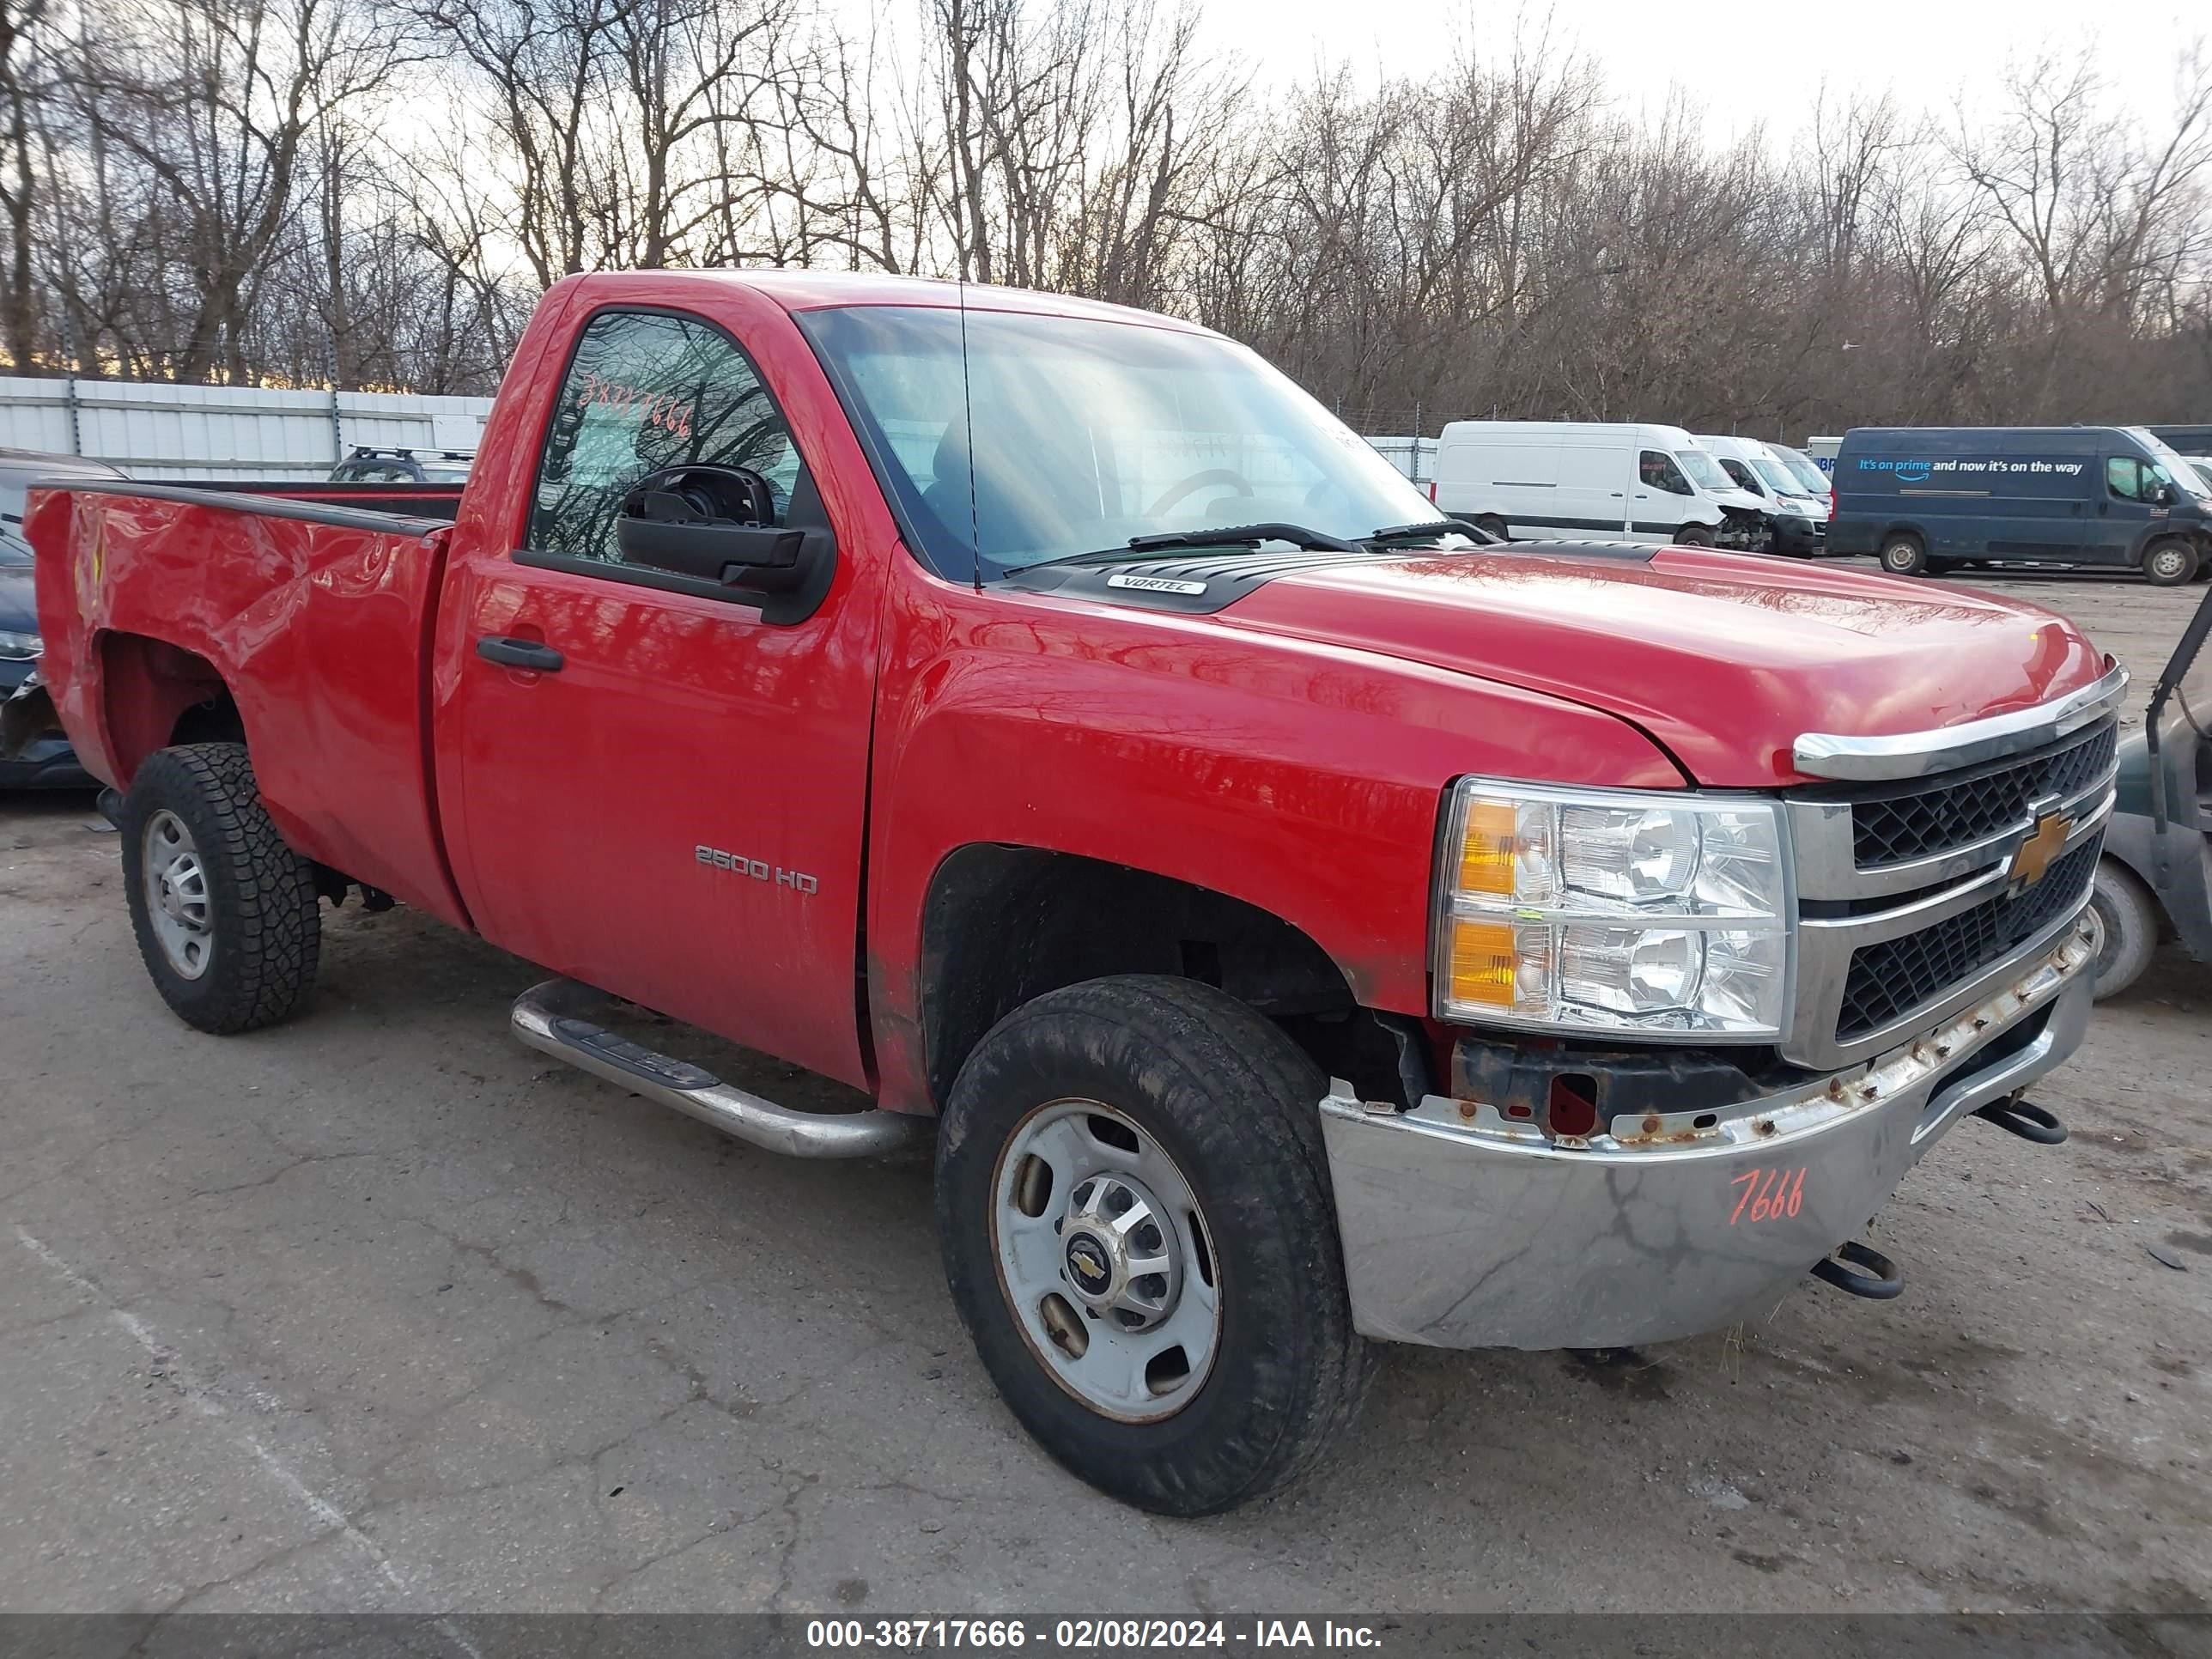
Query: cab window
(1656, 469)
(645, 390)
(2128, 479)
(1743, 476)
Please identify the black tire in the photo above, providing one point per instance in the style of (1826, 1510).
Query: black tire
(265, 925)
(1236, 1104)
(1904, 555)
(2171, 563)
(1693, 535)
(1491, 524)
(2127, 917)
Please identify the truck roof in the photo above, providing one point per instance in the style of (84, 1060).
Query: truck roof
(818, 290)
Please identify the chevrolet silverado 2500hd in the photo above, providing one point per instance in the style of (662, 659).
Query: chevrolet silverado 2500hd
(1304, 922)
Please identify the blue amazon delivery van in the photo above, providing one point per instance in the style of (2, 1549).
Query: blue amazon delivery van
(1925, 499)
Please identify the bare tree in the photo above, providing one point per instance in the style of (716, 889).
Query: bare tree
(247, 189)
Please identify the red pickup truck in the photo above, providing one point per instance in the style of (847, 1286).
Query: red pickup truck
(1305, 922)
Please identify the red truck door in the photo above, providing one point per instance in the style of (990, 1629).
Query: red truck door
(659, 792)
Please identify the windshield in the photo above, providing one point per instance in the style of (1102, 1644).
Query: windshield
(2170, 467)
(13, 549)
(1699, 465)
(1085, 434)
(1812, 481)
(1777, 476)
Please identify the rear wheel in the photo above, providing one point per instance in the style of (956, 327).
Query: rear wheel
(225, 912)
(2125, 916)
(1133, 1204)
(1903, 555)
(2169, 564)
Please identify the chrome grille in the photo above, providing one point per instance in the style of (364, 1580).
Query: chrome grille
(1907, 911)
(1931, 819)
(1888, 980)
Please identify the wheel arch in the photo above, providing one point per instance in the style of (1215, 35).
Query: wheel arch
(154, 694)
(1003, 924)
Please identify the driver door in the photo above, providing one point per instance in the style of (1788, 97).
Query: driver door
(1661, 498)
(659, 791)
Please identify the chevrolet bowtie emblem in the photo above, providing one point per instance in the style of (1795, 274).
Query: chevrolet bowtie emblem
(2032, 861)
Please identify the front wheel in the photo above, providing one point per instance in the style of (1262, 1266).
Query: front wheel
(225, 911)
(1491, 524)
(1693, 535)
(1133, 1204)
(2125, 918)
(2170, 564)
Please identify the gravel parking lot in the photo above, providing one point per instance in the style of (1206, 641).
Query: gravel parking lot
(378, 1310)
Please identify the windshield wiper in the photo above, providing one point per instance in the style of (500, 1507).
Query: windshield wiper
(1231, 535)
(1434, 527)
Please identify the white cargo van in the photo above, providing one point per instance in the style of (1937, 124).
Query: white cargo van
(1544, 480)
(1800, 515)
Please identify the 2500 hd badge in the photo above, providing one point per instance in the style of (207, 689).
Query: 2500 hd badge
(738, 865)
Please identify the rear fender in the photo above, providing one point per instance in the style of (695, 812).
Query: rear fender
(311, 621)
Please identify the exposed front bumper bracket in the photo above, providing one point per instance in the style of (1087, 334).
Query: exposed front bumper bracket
(1462, 1228)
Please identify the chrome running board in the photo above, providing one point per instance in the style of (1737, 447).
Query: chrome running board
(549, 1019)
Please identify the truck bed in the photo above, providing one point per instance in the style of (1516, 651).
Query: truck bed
(312, 608)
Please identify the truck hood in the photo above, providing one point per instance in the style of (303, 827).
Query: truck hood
(1724, 658)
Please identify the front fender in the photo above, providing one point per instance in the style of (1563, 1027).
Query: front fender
(1303, 778)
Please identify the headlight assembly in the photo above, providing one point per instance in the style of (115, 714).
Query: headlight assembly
(1579, 910)
(15, 647)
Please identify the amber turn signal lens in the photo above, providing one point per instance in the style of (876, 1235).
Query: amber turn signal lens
(1485, 860)
(1482, 963)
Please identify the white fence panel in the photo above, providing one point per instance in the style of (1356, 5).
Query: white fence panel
(1414, 457)
(151, 428)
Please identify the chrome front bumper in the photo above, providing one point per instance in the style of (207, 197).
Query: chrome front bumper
(1463, 1229)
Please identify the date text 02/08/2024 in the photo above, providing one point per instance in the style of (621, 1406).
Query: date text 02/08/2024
(1005, 1635)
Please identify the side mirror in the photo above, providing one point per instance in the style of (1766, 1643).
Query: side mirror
(761, 557)
(2164, 495)
(710, 524)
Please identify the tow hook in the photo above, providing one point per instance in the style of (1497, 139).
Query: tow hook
(1878, 1282)
(2025, 1119)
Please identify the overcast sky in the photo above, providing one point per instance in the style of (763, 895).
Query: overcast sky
(1748, 64)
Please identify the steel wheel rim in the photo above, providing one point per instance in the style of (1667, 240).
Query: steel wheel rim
(2166, 562)
(2104, 941)
(1131, 1327)
(1899, 556)
(176, 902)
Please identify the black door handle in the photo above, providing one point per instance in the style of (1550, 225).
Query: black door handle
(520, 653)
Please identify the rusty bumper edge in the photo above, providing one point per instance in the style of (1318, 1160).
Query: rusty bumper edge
(1474, 1230)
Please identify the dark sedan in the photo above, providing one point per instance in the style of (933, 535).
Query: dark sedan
(45, 763)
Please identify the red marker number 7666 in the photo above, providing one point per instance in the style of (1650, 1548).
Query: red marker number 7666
(1767, 1194)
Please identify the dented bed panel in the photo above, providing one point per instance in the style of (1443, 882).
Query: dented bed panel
(316, 623)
